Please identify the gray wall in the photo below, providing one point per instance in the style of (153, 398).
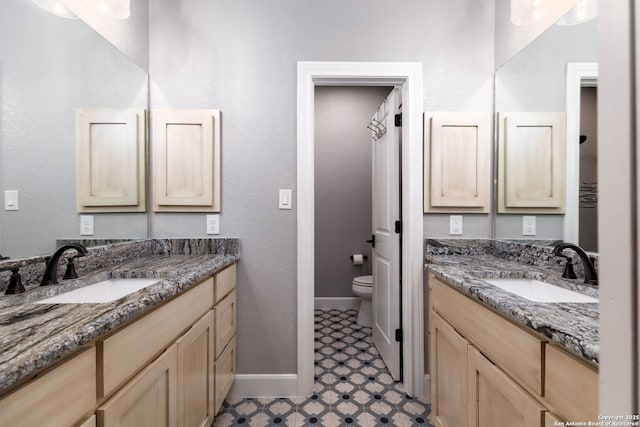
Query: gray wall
(342, 184)
(50, 67)
(240, 57)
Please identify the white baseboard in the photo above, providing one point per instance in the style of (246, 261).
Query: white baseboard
(337, 303)
(265, 385)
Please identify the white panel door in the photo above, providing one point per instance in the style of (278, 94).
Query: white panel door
(386, 253)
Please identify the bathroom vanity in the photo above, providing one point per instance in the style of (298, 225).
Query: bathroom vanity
(161, 356)
(498, 359)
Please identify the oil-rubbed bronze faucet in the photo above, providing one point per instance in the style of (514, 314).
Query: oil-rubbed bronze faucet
(15, 282)
(51, 270)
(590, 276)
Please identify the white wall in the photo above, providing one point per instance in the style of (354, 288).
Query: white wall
(240, 56)
(343, 184)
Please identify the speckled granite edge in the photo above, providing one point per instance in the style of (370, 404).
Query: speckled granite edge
(32, 268)
(573, 326)
(33, 336)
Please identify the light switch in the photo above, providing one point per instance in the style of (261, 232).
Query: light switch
(528, 225)
(11, 200)
(285, 201)
(213, 224)
(455, 224)
(86, 225)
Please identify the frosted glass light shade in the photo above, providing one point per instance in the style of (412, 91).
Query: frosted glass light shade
(584, 11)
(54, 7)
(114, 9)
(526, 12)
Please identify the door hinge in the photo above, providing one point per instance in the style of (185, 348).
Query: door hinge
(399, 335)
(397, 120)
(398, 225)
(372, 241)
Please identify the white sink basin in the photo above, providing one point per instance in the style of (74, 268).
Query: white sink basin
(535, 290)
(105, 291)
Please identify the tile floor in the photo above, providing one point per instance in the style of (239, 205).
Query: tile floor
(352, 387)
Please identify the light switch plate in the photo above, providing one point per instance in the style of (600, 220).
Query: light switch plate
(11, 200)
(213, 224)
(455, 225)
(284, 200)
(86, 225)
(528, 225)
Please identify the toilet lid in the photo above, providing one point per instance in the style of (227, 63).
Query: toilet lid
(363, 280)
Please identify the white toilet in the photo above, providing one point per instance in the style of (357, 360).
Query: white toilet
(362, 286)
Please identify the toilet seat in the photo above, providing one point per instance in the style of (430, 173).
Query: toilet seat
(363, 280)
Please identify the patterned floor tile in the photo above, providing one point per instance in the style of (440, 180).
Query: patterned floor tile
(353, 387)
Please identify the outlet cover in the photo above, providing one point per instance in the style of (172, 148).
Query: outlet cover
(528, 225)
(213, 224)
(11, 200)
(455, 225)
(86, 225)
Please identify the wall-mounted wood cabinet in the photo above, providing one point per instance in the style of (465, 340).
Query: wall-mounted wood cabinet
(457, 159)
(186, 160)
(531, 163)
(110, 160)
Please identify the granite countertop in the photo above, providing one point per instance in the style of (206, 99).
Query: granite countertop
(573, 326)
(33, 336)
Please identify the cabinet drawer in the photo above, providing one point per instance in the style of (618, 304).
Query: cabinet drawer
(89, 422)
(514, 350)
(225, 282)
(60, 397)
(571, 386)
(122, 354)
(551, 420)
(225, 371)
(225, 322)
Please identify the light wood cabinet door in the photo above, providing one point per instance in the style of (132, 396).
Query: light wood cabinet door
(551, 420)
(59, 397)
(225, 282)
(457, 162)
(110, 160)
(186, 160)
(195, 374)
(449, 375)
(494, 400)
(225, 373)
(148, 400)
(225, 321)
(531, 163)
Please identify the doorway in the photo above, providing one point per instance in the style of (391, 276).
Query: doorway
(407, 76)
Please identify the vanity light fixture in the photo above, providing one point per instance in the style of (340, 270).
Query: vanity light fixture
(54, 7)
(584, 11)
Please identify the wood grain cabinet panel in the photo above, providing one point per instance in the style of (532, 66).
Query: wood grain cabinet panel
(225, 321)
(449, 375)
(531, 163)
(196, 374)
(571, 386)
(457, 170)
(148, 400)
(494, 400)
(110, 160)
(225, 373)
(59, 397)
(225, 282)
(186, 160)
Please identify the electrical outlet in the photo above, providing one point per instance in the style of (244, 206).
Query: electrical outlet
(213, 224)
(455, 225)
(528, 225)
(86, 225)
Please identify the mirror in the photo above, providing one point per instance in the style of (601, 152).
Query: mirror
(49, 67)
(534, 80)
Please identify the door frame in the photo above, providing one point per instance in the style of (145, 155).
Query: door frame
(409, 76)
(579, 75)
